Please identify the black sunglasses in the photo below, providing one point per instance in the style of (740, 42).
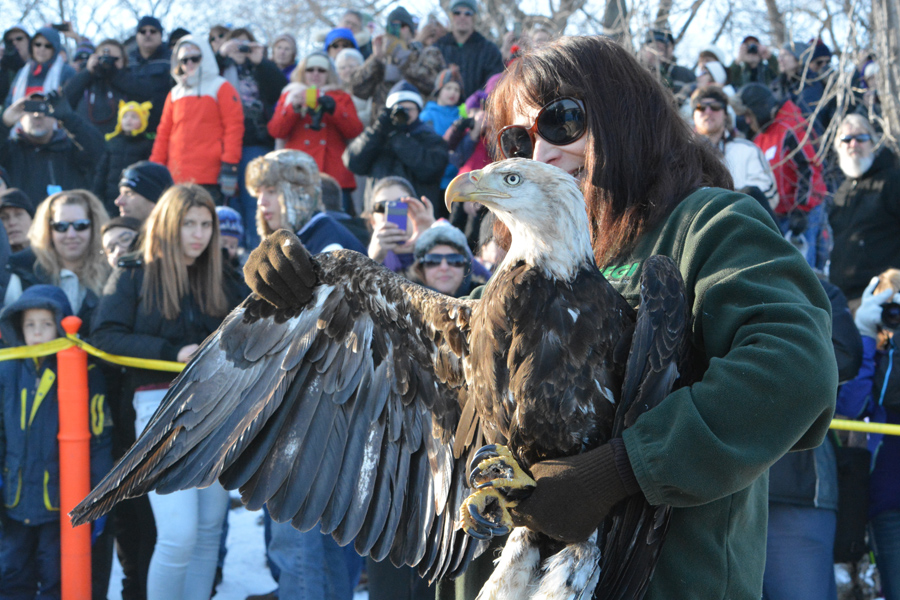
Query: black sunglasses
(16, 40)
(63, 226)
(148, 31)
(453, 260)
(465, 13)
(861, 138)
(560, 123)
(316, 70)
(40, 45)
(713, 106)
(190, 59)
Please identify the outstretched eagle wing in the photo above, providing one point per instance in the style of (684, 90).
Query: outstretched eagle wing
(657, 355)
(342, 414)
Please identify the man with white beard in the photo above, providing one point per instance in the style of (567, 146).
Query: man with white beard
(865, 215)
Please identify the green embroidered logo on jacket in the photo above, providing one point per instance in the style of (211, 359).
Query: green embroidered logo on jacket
(620, 271)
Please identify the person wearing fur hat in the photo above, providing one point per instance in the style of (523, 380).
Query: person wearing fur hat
(287, 186)
(92, 92)
(399, 143)
(316, 116)
(46, 69)
(127, 144)
(397, 56)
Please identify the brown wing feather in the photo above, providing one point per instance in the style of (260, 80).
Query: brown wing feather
(341, 414)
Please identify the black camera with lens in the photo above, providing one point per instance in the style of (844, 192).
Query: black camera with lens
(890, 316)
(106, 66)
(245, 49)
(753, 49)
(326, 105)
(399, 116)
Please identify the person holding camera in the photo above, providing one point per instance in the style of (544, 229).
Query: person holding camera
(92, 92)
(398, 143)
(258, 81)
(52, 149)
(396, 56)
(875, 393)
(755, 64)
(316, 116)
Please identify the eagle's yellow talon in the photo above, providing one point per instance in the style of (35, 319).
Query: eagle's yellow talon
(496, 472)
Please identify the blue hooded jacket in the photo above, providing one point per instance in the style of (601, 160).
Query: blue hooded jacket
(29, 417)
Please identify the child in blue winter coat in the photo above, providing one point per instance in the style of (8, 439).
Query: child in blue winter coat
(29, 452)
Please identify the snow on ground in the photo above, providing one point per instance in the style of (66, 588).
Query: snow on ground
(245, 570)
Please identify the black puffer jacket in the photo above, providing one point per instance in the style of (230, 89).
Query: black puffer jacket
(414, 152)
(121, 151)
(865, 218)
(122, 326)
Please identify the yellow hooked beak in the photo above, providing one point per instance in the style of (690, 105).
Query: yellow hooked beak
(467, 188)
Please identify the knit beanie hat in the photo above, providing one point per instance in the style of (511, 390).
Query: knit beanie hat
(442, 232)
(83, 50)
(230, 222)
(16, 198)
(141, 109)
(449, 74)
(759, 100)
(715, 70)
(715, 51)
(147, 178)
(151, 21)
(404, 91)
(340, 33)
(820, 50)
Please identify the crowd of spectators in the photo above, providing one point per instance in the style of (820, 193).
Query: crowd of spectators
(136, 176)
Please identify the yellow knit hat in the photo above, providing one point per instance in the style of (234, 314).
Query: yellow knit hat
(142, 110)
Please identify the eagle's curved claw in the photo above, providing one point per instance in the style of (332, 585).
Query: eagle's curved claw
(499, 484)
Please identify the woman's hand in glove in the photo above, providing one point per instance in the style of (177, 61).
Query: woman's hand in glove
(280, 271)
(868, 315)
(574, 494)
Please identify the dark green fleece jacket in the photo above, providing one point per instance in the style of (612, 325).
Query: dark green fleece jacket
(761, 340)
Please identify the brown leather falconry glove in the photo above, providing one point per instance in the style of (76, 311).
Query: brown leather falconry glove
(280, 271)
(574, 494)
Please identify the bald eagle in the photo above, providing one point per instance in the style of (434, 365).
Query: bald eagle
(360, 411)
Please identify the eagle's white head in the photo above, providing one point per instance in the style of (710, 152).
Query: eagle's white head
(541, 205)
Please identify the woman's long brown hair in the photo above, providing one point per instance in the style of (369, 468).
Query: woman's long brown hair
(641, 158)
(167, 279)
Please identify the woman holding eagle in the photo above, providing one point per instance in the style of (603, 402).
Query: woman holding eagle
(762, 366)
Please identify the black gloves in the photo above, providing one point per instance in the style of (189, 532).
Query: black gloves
(228, 179)
(574, 494)
(384, 120)
(59, 106)
(280, 271)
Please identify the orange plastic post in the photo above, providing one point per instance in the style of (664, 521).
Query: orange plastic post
(74, 466)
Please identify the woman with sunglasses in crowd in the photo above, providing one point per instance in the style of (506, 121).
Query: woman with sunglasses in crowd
(314, 115)
(762, 379)
(65, 251)
(200, 135)
(161, 303)
(46, 71)
(444, 261)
